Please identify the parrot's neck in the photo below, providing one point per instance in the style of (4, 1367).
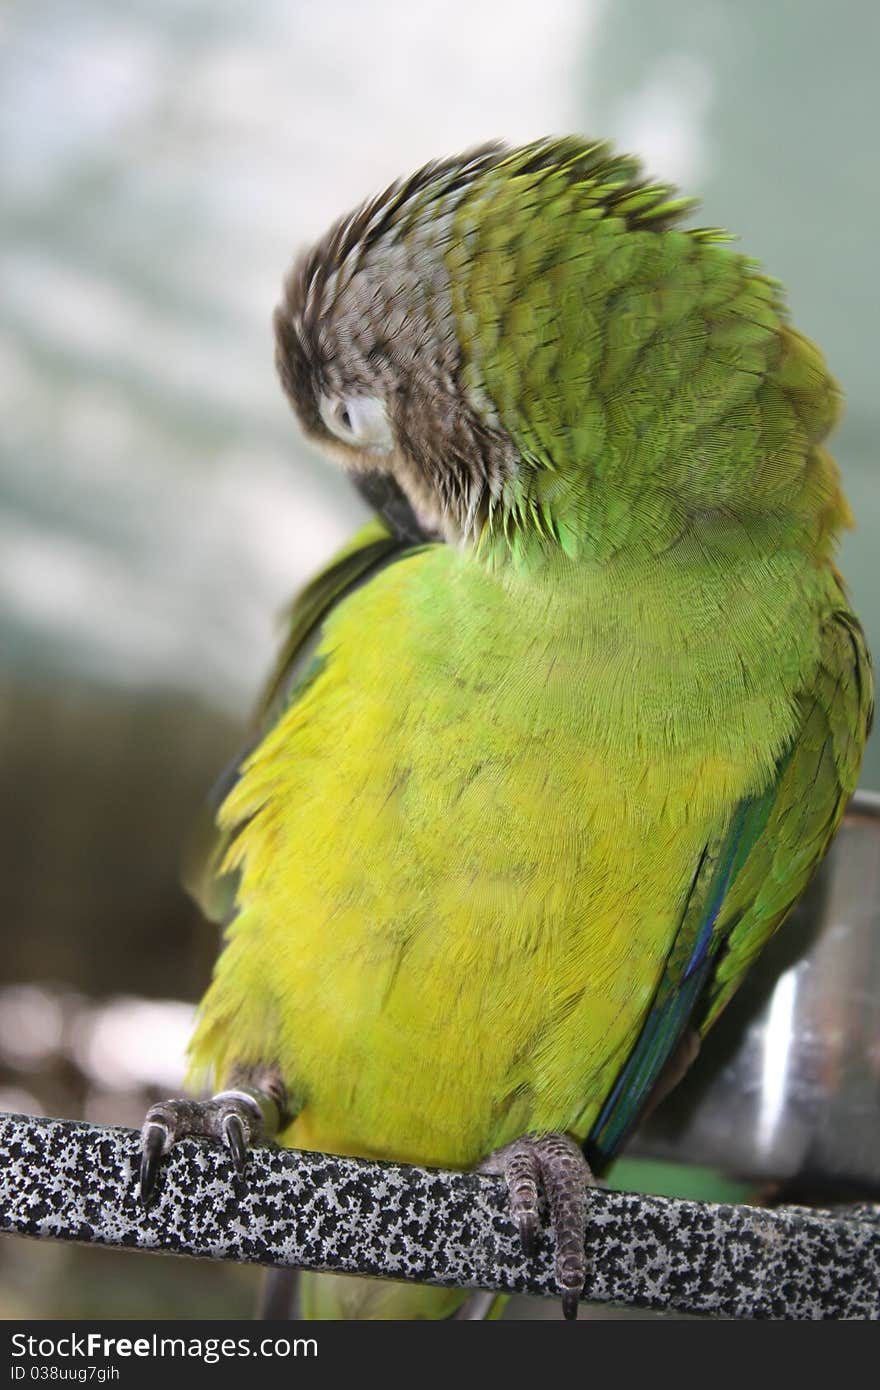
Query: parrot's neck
(600, 524)
(698, 650)
(717, 579)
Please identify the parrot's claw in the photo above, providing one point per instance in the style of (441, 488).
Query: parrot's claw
(233, 1138)
(153, 1138)
(555, 1163)
(238, 1118)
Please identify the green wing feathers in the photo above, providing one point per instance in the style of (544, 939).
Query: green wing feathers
(368, 550)
(752, 872)
(816, 780)
(373, 547)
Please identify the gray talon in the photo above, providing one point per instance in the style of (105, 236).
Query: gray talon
(528, 1234)
(570, 1301)
(238, 1118)
(235, 1140)
(556, 1163)
(154, 1139)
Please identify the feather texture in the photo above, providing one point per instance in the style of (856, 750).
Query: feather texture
(523, 806)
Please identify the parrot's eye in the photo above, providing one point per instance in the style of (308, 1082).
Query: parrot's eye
(358, 420)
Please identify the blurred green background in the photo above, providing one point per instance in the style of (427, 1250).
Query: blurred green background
(161, 162)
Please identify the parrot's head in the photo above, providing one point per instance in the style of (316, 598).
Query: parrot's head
(542, 359)
(368, 350)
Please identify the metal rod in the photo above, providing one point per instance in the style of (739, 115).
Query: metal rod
(65, 1180)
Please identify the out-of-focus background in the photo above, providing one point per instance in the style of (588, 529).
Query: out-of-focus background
(161, 162)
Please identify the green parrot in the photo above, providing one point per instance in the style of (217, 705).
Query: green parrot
(556, 742)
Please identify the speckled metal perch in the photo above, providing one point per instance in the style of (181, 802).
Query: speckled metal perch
(70, 1181)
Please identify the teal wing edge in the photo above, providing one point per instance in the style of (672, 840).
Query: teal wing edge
(375, 546)
(750, 874)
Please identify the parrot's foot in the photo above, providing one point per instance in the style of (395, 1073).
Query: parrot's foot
(556, 1163)
(239, 1118)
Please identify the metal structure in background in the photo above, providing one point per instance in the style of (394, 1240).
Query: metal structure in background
(65, 1180)
(787, 1088)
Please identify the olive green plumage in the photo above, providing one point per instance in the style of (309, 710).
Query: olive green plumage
(530, 795)
(623, 354)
